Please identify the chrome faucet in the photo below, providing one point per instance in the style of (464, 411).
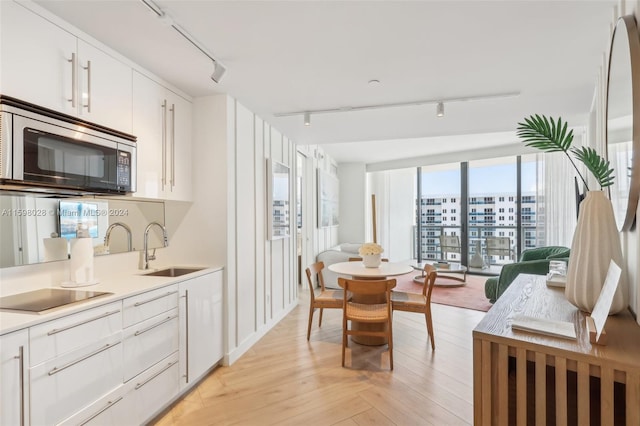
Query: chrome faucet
(107, 236)
(148, 257)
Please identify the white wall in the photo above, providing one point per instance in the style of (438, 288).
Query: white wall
(227, 222)
(353, 201)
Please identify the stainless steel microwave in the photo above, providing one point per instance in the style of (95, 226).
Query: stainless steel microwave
(40, 148)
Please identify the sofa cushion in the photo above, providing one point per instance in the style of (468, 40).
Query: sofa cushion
(350, 247)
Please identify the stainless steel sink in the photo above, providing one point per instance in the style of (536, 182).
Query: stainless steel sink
(173, 272)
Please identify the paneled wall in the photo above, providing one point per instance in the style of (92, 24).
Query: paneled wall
(227, 222)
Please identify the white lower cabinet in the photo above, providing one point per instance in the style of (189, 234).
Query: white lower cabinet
(148, 342)
(14, 383)
(108, 410)
(149, 393)
(116, 364)
(201, 318)
(69, 382)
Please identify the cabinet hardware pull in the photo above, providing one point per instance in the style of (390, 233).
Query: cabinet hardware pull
(74, 80)
(173, 145)
(20, 358)
(88, 69)
(72, 363)
(154, 298)
(151, 327)
(186, 327)
(164, 144)
(171, 364)
(58, 330)
(109, 405)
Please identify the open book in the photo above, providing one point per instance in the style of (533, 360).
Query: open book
(545, 326)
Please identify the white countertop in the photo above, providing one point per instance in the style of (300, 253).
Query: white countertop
(121, 286)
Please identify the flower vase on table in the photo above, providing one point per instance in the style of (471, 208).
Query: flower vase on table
(371, 254)
(596, 242)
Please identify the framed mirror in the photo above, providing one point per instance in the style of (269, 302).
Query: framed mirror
(278, 215)
(623, 120)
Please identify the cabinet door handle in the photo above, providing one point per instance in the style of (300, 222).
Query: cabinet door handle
(20, 358)
(173, 145)
(58, 330)
(171, 364)
(88, 69)
(102, 410)
(151, 327)
(154, 298)
(72, 363)
(74, 80)
(186, 334)
(164, 144)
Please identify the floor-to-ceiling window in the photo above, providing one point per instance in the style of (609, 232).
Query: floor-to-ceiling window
(490, 207)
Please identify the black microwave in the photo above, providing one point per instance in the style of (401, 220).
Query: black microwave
(42, 148)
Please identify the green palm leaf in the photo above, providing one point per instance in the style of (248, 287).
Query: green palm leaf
(596, 164)
(545, 133)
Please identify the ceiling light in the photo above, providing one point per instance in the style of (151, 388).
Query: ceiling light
(218, 71)
(399, 104)
(440, 110)
(307, 119)
(374, 83)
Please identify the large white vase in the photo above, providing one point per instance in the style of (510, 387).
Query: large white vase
(596, 242)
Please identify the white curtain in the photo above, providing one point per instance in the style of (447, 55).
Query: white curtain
(556, 192)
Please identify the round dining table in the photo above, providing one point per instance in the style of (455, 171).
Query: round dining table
(358, 271)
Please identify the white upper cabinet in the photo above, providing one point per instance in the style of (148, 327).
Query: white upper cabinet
(104, 88)
(162, 124)
(48, 66)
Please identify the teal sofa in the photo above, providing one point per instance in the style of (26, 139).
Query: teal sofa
(532, 261)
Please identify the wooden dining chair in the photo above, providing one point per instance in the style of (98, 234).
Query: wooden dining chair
(331, 299)
(370, 313)
(418, 302)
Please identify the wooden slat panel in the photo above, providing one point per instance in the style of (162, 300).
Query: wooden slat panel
(606, 396)
(503, 385)
(583, 393)
(487, 391)
(633, 396)
(478, 390)
(521, 386)
(561, 391)
(541, 389)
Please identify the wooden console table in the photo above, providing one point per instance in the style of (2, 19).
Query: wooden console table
(521, 378)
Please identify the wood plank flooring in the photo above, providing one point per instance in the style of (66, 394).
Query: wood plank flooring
(286, 380)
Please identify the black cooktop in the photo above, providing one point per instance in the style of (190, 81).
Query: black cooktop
(46, 298)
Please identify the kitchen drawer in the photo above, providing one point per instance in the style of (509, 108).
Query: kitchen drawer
(148, 342)
(146, 305)
(65, 334)
(152, 390)
(108, 410)
(61, 386)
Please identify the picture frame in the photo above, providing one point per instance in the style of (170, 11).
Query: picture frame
(73, 213)
(278, 200)
(328, 199)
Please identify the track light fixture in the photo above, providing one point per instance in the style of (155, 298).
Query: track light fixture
(307, 119)
(218, 71)
(439, 105)
(218, 68)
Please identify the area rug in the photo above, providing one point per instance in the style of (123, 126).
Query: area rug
(469, 296)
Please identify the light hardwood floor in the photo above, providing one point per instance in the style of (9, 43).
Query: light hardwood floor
(285, 380)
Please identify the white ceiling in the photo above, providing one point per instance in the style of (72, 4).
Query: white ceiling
(284, 56)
